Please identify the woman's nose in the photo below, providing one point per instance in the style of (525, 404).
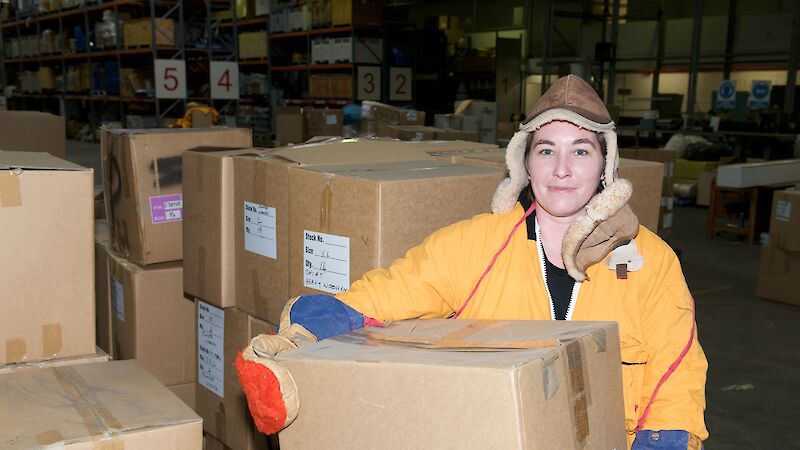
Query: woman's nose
(562, 169)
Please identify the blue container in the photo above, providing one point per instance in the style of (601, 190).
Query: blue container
(112, 77)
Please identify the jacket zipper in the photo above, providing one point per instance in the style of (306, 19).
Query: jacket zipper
(576, 287)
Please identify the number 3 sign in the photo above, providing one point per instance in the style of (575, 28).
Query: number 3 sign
(224, 80)
(400, 83)
(369, 83)
(170, 78)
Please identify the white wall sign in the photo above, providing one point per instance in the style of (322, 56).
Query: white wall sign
(400, 84)
(224, 79)
(369, 83)
(170, 78)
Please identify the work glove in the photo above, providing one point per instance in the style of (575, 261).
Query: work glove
(270, 390)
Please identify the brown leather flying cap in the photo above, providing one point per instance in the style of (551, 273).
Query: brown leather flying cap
(572, 93)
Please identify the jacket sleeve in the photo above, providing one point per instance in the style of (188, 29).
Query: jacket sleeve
(667, 323)
(428, 282)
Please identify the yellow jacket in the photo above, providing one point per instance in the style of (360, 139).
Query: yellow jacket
(653, 306)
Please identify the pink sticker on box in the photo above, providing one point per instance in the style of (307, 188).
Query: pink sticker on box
(166, 208)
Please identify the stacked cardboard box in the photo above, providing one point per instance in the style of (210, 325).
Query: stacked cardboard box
(296, 125)
(422, 133)
(358, 391)
(472, 116)
(46, 230)
(31, 131)
(779, 275)
(376, 118)
(668, 158)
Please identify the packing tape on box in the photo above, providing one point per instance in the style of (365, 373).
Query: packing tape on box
(599, 338)
(579, 391)
(49, 437)
(201, 270)
(16, 350)
(325, 204)
(104, 427)
(10, 194)
(52, 343)
(549, 376)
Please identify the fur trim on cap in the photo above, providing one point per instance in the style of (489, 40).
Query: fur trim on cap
(505, 197)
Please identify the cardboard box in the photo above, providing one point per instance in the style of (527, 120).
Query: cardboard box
(784, 225)
(376, 118)
(262, 196)
(201, 119)
(138, 32)
(290, 125)
(562, 389)
(32, 131)
(413, 132)
(455, 146)
(668, 157)
(142, 172)
(457, 135)
(356, 12)
(187, 392)
(47, 268)
(98, 356)
(114, 404)
(704, 181)
(784, 171)
(102, 292)
(487, 158)
(347, 220)
(779, 275)
(253, 45)
(208, 231)
(226, 416)
(646, 177)
(323, 122)
(152, 322)
(131, 81)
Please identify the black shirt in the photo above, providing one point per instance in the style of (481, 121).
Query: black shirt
(559, 283)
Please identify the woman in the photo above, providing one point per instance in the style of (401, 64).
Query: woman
(561, 244)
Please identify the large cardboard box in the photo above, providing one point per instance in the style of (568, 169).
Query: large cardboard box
(142, 173)
(187, 392)
(47, 267)
(356, 12)
(646, 177)
(114, 404)
(347, 220)
(220, 399)
(208, 228)
(102, 294)
(323, 122)
(152, 322)
(409, 384)
(261, 211)
(290, 125)
(98, 356)
(413, 132)
(484, 158)
(453, 146)
(784, 225)
(704, 181)
(139, 32)
(32, 131)
(253, 45)
(376, 118)
(779, 275)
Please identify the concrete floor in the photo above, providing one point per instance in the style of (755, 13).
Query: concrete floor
(748, 342)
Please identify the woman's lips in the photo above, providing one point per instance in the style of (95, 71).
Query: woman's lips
(561, 189)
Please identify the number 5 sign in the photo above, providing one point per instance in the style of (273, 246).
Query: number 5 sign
(400, 83)
(170, 78)
(369, 83)
(224, 79)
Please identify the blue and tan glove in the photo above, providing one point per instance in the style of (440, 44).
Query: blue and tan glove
(270, 390)
(666, 440)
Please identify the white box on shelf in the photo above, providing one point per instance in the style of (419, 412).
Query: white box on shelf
(784, 171)
(321, 51)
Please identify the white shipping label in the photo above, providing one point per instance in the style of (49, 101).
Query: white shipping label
(210, 348)
(118, 299)
(326, 262)
(330, 119)
(259, 230)
(783, 211)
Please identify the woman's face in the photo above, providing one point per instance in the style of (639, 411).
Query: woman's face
(564, 166)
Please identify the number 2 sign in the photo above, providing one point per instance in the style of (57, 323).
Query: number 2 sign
(400, 83)
(224, 79)
(170, 78)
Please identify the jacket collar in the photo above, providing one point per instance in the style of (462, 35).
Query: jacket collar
(530, 223)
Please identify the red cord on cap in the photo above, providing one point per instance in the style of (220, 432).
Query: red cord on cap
(496, 255)
(668, 373)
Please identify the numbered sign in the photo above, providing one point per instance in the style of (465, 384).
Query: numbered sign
(726, 95)
(170, 78)
(759, 94)
(369, 83)
(224, 79)
(400, 83)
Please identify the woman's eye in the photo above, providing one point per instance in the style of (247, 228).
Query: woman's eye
(581, 152)
(546, 151)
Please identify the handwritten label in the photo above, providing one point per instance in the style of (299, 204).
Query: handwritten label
(330, 119)
(166, 208)
(783, 211)
(118, 298)
(259, 230)
(210, 348)
(326, 262)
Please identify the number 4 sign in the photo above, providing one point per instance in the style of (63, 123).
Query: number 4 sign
(400, 83)
(224, 79)
(170, 78)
